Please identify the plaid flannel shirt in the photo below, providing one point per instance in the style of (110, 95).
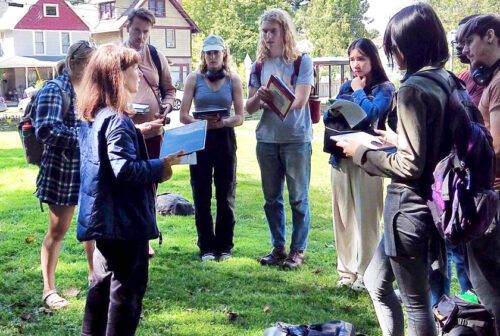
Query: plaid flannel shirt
(58, 180)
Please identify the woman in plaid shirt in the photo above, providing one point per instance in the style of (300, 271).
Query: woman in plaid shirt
(58, 180)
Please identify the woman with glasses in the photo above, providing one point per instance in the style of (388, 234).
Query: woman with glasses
(58, 180)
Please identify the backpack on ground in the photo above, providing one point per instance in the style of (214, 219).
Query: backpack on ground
(169, 204)
(332, 328)
(464, 202)
(32, 146)
(314, 102)
(458, 317)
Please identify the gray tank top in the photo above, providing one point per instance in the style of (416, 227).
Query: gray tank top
(205, 98)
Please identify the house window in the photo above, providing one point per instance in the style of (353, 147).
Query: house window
(106, 10)
(39, 43)
(157, 7)
(50, 10)
(179, 72)
(65, 42)
(170, 37)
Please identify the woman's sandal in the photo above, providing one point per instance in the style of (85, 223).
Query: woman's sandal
(52, 300)
(151, 252)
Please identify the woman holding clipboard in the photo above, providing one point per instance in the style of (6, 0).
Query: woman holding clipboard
(214, 87)
(357, 198)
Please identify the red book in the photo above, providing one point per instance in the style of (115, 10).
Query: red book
(283, 97)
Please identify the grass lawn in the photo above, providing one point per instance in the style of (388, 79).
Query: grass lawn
(185, 296)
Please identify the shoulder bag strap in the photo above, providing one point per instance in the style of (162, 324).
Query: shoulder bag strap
(156, 60)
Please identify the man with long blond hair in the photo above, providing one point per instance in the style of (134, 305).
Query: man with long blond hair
(283, 146)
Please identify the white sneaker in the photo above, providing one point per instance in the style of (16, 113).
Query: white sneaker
(344, 282)
(207, 256)
(358, 285)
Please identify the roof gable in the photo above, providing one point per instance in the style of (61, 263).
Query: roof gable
(66, 20)
(177, 5)
(118, 23)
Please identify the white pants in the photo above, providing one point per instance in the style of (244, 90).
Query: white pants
(357, 204)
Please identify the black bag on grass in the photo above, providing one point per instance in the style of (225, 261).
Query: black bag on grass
(458, 317)
(332, 328)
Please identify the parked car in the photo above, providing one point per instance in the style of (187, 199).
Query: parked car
(3, 105)
(178, 99)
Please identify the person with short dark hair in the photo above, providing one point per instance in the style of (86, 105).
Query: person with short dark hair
(117, 195)
(480, 38)
(155, 88)
(357, 198)
(475, 91)
(416, 40)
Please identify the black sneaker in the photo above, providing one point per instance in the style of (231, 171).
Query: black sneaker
(294, 260)
(276, 257)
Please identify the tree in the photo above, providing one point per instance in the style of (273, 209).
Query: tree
(235, 20)
(331, 25)
(450, 12)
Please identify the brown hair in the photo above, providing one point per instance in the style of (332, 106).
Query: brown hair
(480, 25)
(281, 17)
(81, 51)
(143, 14)
(103, 82)
(226, 62)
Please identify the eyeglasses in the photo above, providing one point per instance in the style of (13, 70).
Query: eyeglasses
(87, 44)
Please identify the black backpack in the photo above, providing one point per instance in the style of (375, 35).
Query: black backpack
(332, 328)
(458, 317)
(464, 202)
(32, 146)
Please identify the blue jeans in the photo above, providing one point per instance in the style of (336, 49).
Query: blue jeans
(290, 161)
(440, 284)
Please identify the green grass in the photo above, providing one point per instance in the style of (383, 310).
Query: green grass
(185, 296)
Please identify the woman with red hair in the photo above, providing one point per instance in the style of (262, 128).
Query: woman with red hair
(117, 194)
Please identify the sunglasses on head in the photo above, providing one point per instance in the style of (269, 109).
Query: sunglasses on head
(87, 44)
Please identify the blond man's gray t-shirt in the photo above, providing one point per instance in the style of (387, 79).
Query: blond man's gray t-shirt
(297, 126)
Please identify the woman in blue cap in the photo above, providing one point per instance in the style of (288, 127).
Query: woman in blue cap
(214, 86)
